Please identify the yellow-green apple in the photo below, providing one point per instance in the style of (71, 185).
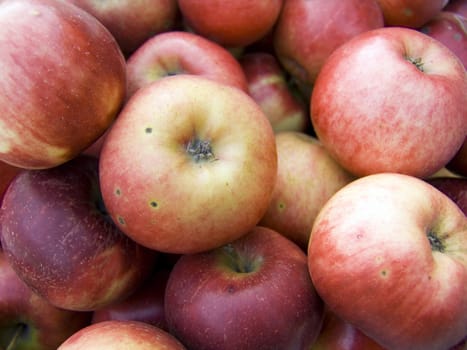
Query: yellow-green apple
(410, 13)
(458, 163)
(307, 177)
(132, 22)
(337, 334)
(179, 52)
(29, 322)
(268, 85)
(388, 254)
(231, 24)
(61, 242)
(63, 83)
(409, 117)
(146, 304)
(454, 187)
(451, 29)
(457, 6)
(253, 293)
(307, 31)
(121, 335)
(189, 165)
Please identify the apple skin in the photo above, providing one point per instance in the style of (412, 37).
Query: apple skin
(132, 22)
(387, 254)
(69, 90)
(410, 13)
(7, 173)
(450, 29)
(458, 163)
(121, 335)
(267, 84)
(307, 177)
(175, 144)
(454, 187)
(307, 31)
(457, 6)
(407, 120)
(179, 52)
(231, 24)
(45, 326)
(221, 299)
(59, 239)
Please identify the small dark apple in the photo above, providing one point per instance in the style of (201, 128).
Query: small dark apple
(61, 242)
(29, 322)
(254, 293)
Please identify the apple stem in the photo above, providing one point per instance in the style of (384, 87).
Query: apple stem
(435, 242)
(200, 150)
(18, 330)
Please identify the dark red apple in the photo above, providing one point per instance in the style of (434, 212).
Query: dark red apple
(457, 6)
(61, 242)
(454, 187)
(458, 164)
(63, 81)
(253, 293)
(410, 13)
(28, 321)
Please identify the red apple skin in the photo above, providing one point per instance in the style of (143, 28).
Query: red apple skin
(451, 30)
(407, 120)
(200, 151)
(307, 177)
(146, 304)
(57, 100)
(178, 52)
(307, 31)
(121, 335)
(268, 86)
(457, 6)
(132, 22)
(337, 334)
(254, 293)
(458, 163)
(7, 173)
(45, 326)
(60, 241)
(387, 254)
(410, 13)
(231, 23)
(454, 187)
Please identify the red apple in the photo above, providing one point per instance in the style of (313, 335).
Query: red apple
(454, 187)
(121, 335)
(180, 169)
(457, 6)
(132, 22)
(254, 293)
(451, 30)
(60, 241)
(28, 321)
(408, 117)
(458, 163)
(267, 84)
(388, 254)
(309, 30)
(307, 177)
(410, 13)
(231, 23)
(179, 52)
(63, 81)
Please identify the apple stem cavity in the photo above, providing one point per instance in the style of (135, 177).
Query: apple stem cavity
(19, 329)
(200, 150)
(237, 262)
(417, 62)
(435, 242)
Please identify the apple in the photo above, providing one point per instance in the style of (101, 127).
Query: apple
(337, 334)
(388, 254)
(28, 321)
(181, 166)
(307, 31)
(307, 177)
(146, 304)
(57, 98)
(410, 13)
(267, 84)
(179, 52)
(450, 29)
(408, 117)
(457, 6)
(132, 22)
(454, 187)
(121, 335)
(231, 24)
(253, 293)
(59, 239)
(7, 173)
(458, 163)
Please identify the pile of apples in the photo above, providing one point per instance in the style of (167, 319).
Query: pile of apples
(233, 175)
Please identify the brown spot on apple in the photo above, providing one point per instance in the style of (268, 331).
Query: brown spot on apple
(281, 206)
(148, 130)
(121, 220)
(118, 192)
(154, 204)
